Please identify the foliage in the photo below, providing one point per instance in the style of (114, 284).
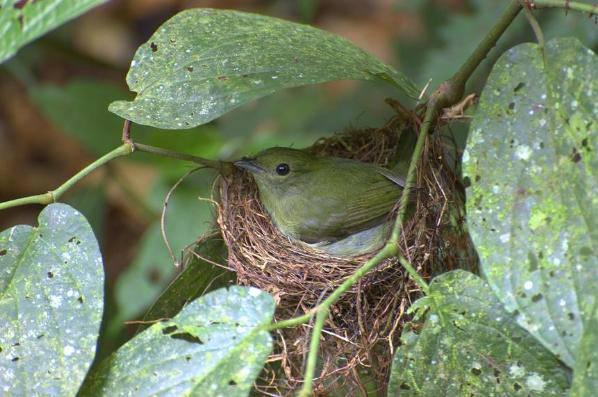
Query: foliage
(527, 328)
(51, 300)
(23, 21)
(470, 345)
(202, 63)
(533, 219)
(214, 346)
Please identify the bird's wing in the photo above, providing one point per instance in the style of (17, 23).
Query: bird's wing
(370, 196)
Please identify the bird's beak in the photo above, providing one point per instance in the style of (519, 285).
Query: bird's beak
(248, 164)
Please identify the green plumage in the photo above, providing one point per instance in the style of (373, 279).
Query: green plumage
(325, 200)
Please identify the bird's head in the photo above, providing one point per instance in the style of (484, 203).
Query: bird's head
(278, 168)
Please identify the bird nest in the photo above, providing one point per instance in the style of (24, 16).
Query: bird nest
(363, 329)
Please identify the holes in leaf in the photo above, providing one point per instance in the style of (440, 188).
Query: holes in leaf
(518, 87)
(537, 298)
(511, 105)
(232, 383)
(516, 386)
(189, 68)
(15, 359)
(75, 240)
(50, 275)
(169, 330)
(188, 358)
(80, 300)
(404, 386)
(476, 371)
(154, 47)
(222, 78)
(3, 252)
(571, 316)
(575, 156)
(187, 337)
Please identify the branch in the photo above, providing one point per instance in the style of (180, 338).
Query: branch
(53, 195)
(223, 167)
(591, 9)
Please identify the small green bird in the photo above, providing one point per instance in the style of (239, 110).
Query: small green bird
(337, 205)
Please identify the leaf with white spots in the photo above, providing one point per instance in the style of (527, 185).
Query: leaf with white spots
(470, 346)
(533, 200)
(51, 301)
(216, 346)
(21, 21)
(203, 63)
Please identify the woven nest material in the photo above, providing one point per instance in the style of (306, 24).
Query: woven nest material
(363, 329)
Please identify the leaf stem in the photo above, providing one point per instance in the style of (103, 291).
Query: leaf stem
(591, 9)
(53, 195)
(222, 166)
(531, 19)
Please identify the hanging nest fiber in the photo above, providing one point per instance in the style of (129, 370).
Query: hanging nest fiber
(364, 326)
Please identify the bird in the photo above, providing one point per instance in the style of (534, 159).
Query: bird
(336, 205)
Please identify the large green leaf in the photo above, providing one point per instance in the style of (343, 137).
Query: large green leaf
(470, 346)
(22, 21)
(51, 299)
(204, 62)
(531, 159)
(213, 347)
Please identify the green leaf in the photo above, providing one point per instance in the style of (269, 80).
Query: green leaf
(23, 21)
(214, 346)
(51, 299)
(470, 346)
(532, 204)
(199, 277)
(203, 63)
(585, 374)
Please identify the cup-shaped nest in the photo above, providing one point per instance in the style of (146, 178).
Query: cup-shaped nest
(364, 326)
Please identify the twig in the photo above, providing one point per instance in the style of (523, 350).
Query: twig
(126, 136)
(591, 9)
(53, 195)
(535, 26)
(221, 166)
(163, 215)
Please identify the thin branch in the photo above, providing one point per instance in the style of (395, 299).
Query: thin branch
(163, 216)
(222, 167)
(591, 9)
(454, 88)
(126, 135)
(53, 195)
(535, 27)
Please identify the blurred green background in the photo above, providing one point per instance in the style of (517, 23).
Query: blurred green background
(53, 117)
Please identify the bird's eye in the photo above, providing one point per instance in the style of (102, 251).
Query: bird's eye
(282, 169)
